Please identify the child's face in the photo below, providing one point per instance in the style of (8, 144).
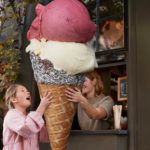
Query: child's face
(23, 97)
(88, 86)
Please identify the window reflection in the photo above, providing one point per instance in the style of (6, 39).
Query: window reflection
(110, 19)
(111, 35)
(110, 24)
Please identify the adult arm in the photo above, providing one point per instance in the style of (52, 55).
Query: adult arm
(93, 113)
(32, 123)
(75, 95)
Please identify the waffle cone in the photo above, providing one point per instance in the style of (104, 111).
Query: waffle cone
(58, 115)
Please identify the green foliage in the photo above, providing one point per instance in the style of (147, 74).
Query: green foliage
(10, 21)
(33, 1)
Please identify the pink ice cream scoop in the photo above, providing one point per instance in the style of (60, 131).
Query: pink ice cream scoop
(62, 20)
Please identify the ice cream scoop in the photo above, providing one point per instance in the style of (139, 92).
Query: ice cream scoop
(62, 20)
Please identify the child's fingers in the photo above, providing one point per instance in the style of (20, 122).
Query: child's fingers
(46, 93)
(50, 98)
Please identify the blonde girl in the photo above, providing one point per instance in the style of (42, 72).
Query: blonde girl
(21, 130)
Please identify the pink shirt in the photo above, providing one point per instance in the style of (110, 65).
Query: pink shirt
(23, 132)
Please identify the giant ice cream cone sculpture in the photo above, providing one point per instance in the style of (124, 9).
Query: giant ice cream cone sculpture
(58, 116)
(59, 56)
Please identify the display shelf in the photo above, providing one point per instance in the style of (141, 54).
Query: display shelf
(99, 132)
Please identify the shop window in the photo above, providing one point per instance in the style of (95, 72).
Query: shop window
(111, 48)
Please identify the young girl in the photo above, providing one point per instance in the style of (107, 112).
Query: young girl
(94, 108)
(21, 129)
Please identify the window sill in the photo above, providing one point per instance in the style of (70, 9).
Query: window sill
(99, 132)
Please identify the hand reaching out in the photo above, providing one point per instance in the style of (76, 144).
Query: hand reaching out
(45, 101)
(74, 95)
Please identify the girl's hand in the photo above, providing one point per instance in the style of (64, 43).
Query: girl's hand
(45, 101)
(73, 95)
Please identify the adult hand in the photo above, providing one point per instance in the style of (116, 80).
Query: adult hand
(73, 95)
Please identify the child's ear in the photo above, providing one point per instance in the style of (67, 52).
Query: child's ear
(13, 100)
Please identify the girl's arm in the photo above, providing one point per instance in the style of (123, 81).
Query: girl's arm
(23, 125)
(45, 101)
(32, 123)
(93, 113)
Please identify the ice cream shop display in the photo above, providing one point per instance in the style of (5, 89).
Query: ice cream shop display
(60, 56)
